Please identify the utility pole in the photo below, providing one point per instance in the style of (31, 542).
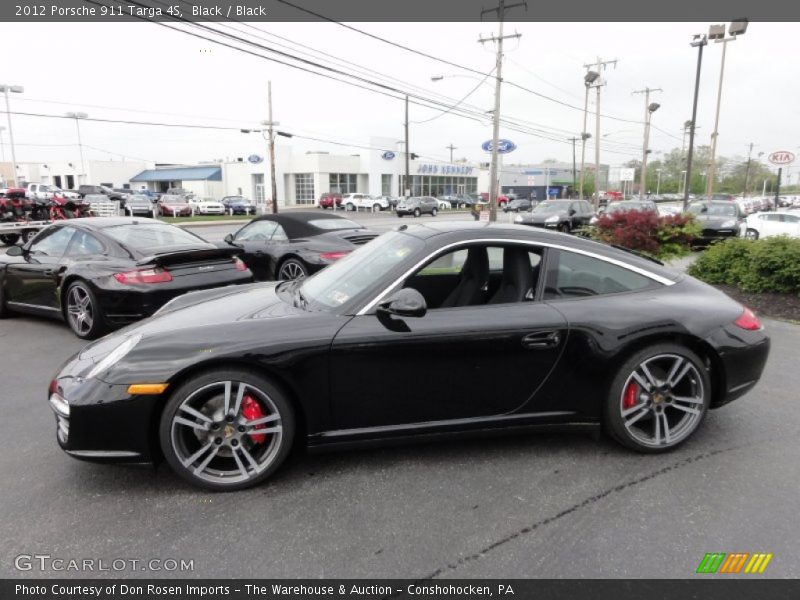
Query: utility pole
(699, 42)
(270, 125)
(648, 111)
(407, 187)
(451, 148)
(747, 169)
(600, 65)
(573, 140)
(493, 174)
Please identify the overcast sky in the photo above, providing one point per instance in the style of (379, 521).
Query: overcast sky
(144, 71)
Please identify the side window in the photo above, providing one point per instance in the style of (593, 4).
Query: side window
(279, 235)
(571, 275)
(258, 231)
(791, 219)
(84, 244)
(52, 242)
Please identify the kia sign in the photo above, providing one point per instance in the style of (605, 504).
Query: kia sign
(387, 155)
(254, 159)
(503, 146)
(781, 157)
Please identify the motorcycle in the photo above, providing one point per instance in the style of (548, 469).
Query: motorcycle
(13, 206)
(65, 208)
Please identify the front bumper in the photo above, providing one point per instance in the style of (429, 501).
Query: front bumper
(709, 236)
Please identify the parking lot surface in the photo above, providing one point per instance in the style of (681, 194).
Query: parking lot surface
(530, 506)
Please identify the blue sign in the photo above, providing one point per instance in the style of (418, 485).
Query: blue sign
(387, 155)
(503, 146)
(553, 191)
(255, 159)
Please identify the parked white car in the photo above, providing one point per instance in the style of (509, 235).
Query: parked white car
(768, 224)
(65, 193)
(443, 204)
(356, 201)
(38, 191)
(207, 206)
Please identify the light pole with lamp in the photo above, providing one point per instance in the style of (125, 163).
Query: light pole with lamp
(16, 89)
(78, 116)
(588, 80)
(699, 42)
(650, 109)
(717, 33)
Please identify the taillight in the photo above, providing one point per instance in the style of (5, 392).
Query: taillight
(334, 255)
(239, 264)
(748, 320)
(157, 275)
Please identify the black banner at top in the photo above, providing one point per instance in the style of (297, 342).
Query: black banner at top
(111, 11)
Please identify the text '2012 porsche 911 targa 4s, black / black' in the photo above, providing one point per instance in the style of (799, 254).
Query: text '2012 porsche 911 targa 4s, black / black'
(104, 272)
(436, 329)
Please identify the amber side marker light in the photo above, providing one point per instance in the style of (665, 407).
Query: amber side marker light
(147, 388)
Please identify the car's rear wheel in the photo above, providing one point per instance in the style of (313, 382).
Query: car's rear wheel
(434, 212)
(658, 398)
(564, 227)
(83, 312)
(417, 212)
(751, 234)
(9, 239)
(227, 430)
(350, 206)
(377, 207)
(291, 269)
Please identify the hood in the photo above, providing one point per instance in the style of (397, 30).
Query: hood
(542, 217)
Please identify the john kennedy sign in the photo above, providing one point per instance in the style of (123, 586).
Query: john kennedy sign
(425, 169)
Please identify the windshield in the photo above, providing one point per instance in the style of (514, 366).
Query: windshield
(714, 210)
(620, 206)
(334, 224)
(150, 238)
(551, 207)
(360, 270)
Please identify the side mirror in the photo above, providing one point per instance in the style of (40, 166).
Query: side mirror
(15, 251)
(407, 302)
(229, 239)
(572, 211)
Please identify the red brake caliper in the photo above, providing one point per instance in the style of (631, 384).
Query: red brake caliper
(251, 410)
(631, 395)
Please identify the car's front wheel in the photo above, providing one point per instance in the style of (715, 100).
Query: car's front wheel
(417, 212)
(350, 207)
(292, 269)
(83, 312)
(434, 212)
(751, 234)
(658, 398)
(9, 239)
(377, 207)
(227, 430)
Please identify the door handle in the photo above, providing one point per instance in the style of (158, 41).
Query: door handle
(540, 340)
(49, 272)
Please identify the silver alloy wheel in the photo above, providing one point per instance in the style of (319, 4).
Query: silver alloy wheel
(662, 400)
(213, 439)
(350, 207)
(751, 234)
(80, 311)
(291, 270)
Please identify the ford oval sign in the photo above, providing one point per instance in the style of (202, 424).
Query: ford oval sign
(503, 146)
(387, 155)
(255, 159)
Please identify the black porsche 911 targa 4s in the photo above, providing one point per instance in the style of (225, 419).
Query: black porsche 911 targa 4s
(100, 273)
(404, 338)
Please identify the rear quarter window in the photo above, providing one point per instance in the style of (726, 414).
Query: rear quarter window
(573, 275)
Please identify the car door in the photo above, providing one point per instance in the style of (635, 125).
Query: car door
(791, 225)
(33, 281)
(255, 239)
(465, 362)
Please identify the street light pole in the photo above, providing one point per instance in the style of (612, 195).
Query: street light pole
(17, 89)
(747, 170)
(699, 42)
(407, 188)
(588, 79)
(649, 109)
(78, 116)
(573, 140)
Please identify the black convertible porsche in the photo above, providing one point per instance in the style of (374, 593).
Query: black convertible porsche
(296, 244)
(104, 272)
(429, 330)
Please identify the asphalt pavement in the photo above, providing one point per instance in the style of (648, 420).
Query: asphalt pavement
(525, 506)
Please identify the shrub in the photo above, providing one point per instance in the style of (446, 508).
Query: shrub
(766, 265)
(645, 231)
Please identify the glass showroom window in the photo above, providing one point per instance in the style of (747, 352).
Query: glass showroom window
(343, 183)
(304, 188)
(386, 185)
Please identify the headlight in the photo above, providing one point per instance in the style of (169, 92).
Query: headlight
(728, 224)
(518, 219)
(553, 219)
(114, 356)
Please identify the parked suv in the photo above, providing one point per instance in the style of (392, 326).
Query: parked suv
(356, 201)
(85, 190)
(327, 199)
(417, 205)
(38, 191)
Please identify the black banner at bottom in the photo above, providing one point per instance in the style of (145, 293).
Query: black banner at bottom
(704, 587)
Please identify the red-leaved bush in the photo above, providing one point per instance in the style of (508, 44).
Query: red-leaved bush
(645, 231)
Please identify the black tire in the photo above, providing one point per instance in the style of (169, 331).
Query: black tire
(417, 212)
(174, 439)
(377, 207)
(9, 239)
(433, 212)
(400, 215)
(291, 267)
(564, 227)
(653, 405)
(350, 207)
(97, 325)
(751, 234)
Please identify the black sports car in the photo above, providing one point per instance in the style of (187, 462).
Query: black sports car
(294, 245)
(563, 215)
(404, 338)
(104, 272)
(720, 219)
